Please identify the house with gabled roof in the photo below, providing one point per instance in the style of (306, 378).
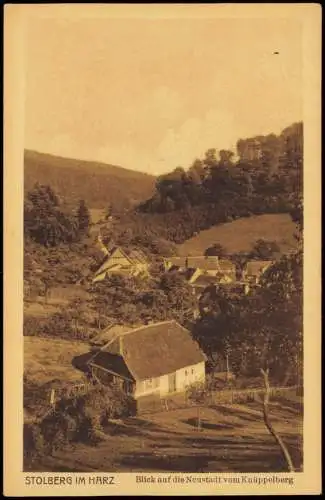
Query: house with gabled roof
(254, 269)
(117, 260)
(220, 270)
(155, 359)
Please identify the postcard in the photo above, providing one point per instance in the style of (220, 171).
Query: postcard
(162, 250)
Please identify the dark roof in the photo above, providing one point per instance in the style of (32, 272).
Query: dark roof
(200, 262)
(158, 349)
(111, 362)
(203, 262)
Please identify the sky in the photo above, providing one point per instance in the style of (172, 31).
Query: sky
(154, 94)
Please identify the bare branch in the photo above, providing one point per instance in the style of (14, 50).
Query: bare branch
(269, 425)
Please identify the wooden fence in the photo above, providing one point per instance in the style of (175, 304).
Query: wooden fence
(247, 395)
(227, 397)
(72, 391)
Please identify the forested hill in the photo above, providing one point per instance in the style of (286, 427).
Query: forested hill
(266, 178)
(98, 184)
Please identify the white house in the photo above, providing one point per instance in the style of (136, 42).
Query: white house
(155, 359)
(254, 270)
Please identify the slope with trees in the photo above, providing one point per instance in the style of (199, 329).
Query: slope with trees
(266, 178)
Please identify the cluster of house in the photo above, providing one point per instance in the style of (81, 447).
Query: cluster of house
(199, 271)
(160, 359)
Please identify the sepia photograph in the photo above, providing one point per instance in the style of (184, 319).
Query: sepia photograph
(163, 244)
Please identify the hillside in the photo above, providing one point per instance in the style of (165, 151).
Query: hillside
(100, 185)
(52, 359)
(241, 234)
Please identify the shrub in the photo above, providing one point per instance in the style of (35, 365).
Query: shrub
(58, 430)
(83, 418)
(33, 441)
(32, 326)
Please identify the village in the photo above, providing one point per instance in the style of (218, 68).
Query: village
(129, 357)
(154, 375)
(163, 254)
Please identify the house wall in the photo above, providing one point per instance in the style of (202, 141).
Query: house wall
(152, 386)
(119, 258)
(212, 272)
(110, 379)
(160, 385)
(190, 375)
(103, 376)
(195, 275)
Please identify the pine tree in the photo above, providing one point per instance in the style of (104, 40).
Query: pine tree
(83, 217)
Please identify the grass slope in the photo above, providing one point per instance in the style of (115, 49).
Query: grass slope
(51, 359)
(240, 235)
(97, 183)
(233, 439)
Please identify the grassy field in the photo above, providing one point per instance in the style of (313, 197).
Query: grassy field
(58, 296)
(52, 359)
(241, 234)
(233, 439)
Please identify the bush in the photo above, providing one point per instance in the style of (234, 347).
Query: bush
(32, 327)
(35, 396)
(58, 430)
(33, 442)
(83, 418)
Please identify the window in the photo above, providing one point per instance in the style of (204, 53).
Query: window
(185, 373)
(149, 383)
(152, 383)
(192, 371)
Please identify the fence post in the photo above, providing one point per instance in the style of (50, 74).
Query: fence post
(52, 398)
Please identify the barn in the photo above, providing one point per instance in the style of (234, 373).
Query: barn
(155, 359)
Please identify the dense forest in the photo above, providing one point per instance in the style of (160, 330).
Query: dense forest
(266, 177)
(100, 185)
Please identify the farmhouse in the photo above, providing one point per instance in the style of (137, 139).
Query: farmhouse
(155, 359)
(222, 270)
(118, 261)
(254, 269)
(204, 282)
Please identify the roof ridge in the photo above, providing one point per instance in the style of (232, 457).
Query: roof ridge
(144, 327)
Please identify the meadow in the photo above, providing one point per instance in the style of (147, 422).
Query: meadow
(241, 234)
(233, 438)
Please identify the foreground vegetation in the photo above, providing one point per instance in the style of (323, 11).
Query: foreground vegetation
(232, 439)
(250, 333)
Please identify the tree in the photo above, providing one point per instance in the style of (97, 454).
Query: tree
(45, 221)
(83, 216)
(264, 249)
(269, 425)
(225, 157)
(182, 303)
(210, 159)
(215, 250)
(197, 394)
(197, 172)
